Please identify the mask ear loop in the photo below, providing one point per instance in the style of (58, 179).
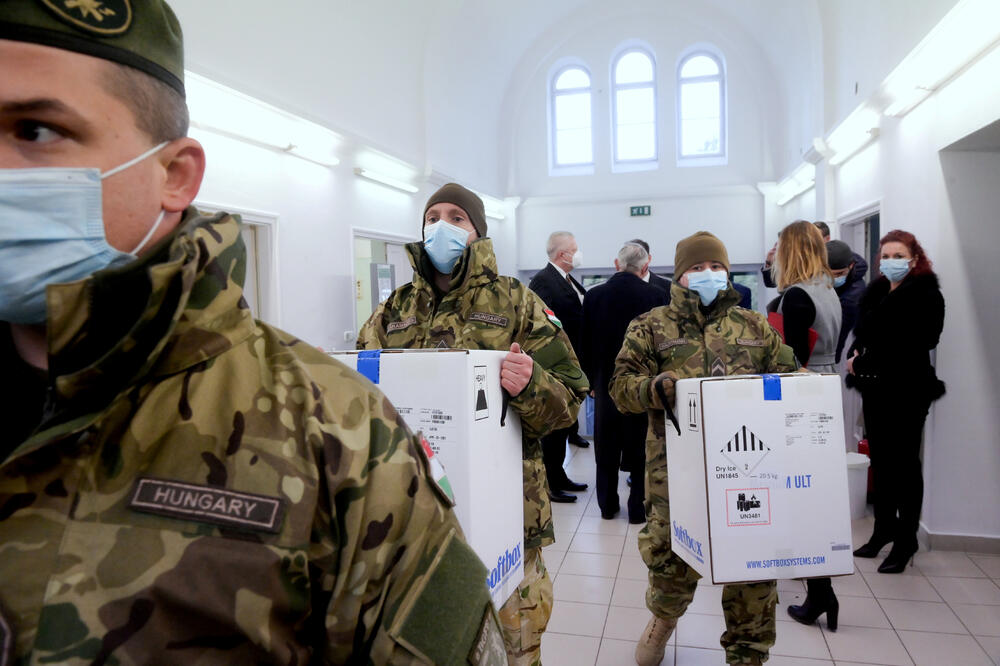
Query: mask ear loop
(152, 231)
(134, 160)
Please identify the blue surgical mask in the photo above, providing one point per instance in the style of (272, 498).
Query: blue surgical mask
(52, 232)
(444, 243)
(895, 269)
(840, 281)
(708, 284)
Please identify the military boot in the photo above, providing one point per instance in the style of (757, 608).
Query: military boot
(653, 642)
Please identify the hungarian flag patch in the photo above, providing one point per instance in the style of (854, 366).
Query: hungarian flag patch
(436, 471)
(552, 317)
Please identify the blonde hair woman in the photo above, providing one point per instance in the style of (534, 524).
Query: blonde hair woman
(808, 300)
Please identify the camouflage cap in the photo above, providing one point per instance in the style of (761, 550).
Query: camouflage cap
(466, 199)
(143, 34)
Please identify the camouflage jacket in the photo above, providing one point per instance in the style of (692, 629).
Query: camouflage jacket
(204, 488)
(727, 340)
(483, 310)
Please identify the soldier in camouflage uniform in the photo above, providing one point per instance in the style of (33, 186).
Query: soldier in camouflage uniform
(472, 307)
(198, 487)
(701, 333)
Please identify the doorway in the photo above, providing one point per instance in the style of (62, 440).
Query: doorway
(380, 266)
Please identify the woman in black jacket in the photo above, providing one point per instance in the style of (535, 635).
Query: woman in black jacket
(902, 314)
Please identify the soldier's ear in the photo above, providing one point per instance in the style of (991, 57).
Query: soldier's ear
(183, 161)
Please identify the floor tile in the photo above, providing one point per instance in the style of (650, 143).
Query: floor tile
(627, 624)
(922, 616)
(631, 593)
(617, 652)
(631, 548)
(947, 563)
(707, 600)
(991, 646)
(867, 645)
(799, 640)
(563, 539)
(989, 564)
(689, 656)
(633, 568)
(617, 527)
(792, 585)
(590, 564)
(980, 620)
(854, 585)
(597, 543)
(570, 617)
(585, 589)
(862, 612)
(910, 588)
(694, 630)
(553, 560)
(778, 660)
(565, 522)
(566, 650)
(966, 590)
(934, 649)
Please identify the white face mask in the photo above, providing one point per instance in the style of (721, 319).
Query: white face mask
(52, 232)
(577, 260)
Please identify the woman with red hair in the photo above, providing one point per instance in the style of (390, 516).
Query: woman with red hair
(900, 322)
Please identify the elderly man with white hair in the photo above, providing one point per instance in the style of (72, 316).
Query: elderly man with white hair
(618, 438)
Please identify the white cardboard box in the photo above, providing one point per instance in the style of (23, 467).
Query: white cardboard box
(453, 397)
(758, 477)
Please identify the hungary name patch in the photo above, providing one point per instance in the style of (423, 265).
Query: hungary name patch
(208, 504)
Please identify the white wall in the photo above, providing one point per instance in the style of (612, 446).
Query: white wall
(950, 211)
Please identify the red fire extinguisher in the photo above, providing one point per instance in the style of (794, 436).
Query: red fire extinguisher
(863, 448)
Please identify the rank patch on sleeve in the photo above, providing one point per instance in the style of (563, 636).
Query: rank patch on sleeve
(207, 504)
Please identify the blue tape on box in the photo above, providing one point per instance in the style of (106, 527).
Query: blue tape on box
(772, 387)
(368, 363)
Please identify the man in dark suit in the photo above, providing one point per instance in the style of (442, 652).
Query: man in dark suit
(564, 296)
(618, 438)
(661, 283)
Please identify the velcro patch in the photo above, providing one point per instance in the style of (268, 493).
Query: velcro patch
(488, 650)
(749, 342)
(401, 325)
(674, 342)
(207, 504)
(489, 318)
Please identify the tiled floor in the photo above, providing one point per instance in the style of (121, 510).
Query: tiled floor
(945, 610)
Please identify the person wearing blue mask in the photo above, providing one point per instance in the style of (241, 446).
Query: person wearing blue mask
(457, 299)
(703, 332)
(900, 322)
(850, 287)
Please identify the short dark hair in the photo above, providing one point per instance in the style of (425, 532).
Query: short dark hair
(159, 110)
(823, 227)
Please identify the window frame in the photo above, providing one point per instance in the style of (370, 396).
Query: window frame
(721, 157)
(645, 163)
(574, 168)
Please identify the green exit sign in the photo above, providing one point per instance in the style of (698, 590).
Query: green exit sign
(637, 211)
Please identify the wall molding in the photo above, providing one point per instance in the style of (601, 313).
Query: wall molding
(968, 543)
(661, 195)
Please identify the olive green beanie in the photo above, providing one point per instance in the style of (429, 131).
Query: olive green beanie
(699, 247)
(465, 199)
(143, 34)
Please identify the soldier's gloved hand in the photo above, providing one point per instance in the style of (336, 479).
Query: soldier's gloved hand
(666, 380)
(515, 371)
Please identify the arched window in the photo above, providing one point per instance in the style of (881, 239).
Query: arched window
(634, 107)
(701, 107)
(572, 142)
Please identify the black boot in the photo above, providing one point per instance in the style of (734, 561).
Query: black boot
(899, 557)
(819, 599)
(871, 549)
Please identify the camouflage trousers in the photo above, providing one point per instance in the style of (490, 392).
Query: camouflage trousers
(524, 616)
(748, 607)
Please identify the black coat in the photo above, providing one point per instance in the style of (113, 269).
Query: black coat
(561, 298)
(895, 334)
(608, 309)
(850, 295)
(661, 283)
